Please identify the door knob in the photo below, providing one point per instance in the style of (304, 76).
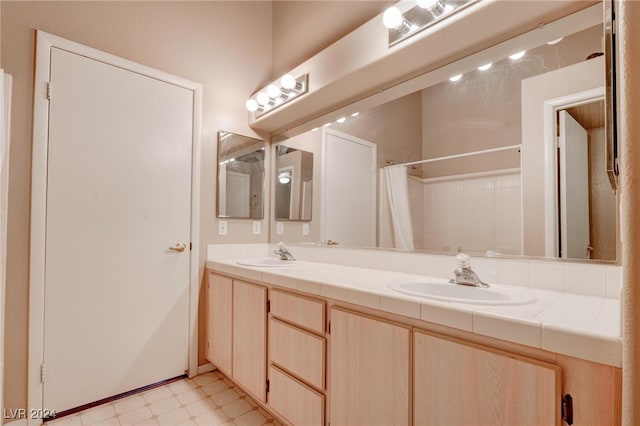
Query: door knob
(179, 247)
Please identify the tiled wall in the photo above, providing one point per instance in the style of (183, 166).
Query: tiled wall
(473, 213)
(582, 278)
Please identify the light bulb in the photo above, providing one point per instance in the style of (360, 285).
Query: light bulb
(485, 67)
(556, 41)
(284, 178)
(287, 81)
(273, 91)
(263, 98)
(456, 77)
(341, 119)
(251, 105)
(434, 6)
(427, 4)
(392, 17)
(518, 55)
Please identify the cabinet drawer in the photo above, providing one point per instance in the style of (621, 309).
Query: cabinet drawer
(307, 313)
(297, 403)
(297, 351)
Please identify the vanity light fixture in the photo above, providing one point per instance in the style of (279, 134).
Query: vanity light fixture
(277, 94)
(402, 25)
(456, 77)
(485, 67)
(393, 19)
(518, 55)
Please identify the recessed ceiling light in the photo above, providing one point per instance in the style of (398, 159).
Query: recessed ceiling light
(556, 41)
(456, 77)
(327, 125)
(355, 114)
(485, 67)
(518, 55)
(341, 119)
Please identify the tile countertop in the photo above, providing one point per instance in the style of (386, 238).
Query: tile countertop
(581, 326)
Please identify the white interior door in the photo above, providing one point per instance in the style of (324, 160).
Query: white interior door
(574, 188)
(118, 197)
(348, 190)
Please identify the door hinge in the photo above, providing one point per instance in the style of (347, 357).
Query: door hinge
(43, 373)
(49, 90)
(567, 409)
(329, 326)
(268, 306)
(190, 246)
(267, 385)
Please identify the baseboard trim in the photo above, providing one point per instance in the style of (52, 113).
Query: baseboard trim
(205, 368)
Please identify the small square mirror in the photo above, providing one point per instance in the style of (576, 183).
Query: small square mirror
(240, 176)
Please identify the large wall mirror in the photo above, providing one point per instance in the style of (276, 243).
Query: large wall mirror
(504, 151)
(240, 176)
(294, 184)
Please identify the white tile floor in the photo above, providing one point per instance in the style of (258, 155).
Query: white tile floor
(206, 400)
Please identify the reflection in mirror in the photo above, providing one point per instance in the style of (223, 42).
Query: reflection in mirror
(478, 177)
(294, 184)
(240, 176)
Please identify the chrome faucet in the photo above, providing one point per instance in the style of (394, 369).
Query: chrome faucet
(283, 253)
(464, 274)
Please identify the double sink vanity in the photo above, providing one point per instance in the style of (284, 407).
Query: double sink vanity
(334, 338)
(464, 157)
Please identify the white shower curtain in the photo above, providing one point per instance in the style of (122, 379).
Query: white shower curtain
(398, 196)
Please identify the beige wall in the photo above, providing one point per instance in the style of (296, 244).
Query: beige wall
(602, 199)
(482, 109)
(198, 41)
(395, 127)
(303, 28)
(629, 102)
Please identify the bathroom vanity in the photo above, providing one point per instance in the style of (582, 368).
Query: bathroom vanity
(322, 343)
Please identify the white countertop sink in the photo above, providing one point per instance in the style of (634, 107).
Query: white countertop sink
(268, 262)
(441, 289)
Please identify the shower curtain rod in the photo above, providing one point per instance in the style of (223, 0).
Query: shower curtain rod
(466, 154)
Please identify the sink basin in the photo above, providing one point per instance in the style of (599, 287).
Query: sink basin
(268, 262)
(442, 290)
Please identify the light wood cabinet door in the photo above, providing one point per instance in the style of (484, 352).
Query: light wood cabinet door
(219, 305)
(294, 401)
(457, 383)
(369, 378)
(298, 352)
(250, 337)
